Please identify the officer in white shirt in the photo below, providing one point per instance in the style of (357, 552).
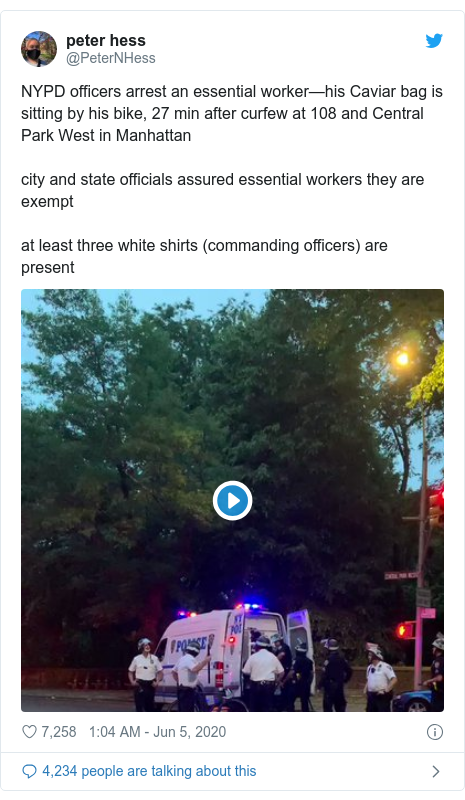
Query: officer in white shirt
(381, 680)
(264, 670)
(145, 673)
(186, 674)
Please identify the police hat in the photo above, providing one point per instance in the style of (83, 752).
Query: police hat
(194, 648)
(331, 644)
(142, 642)
(302, 647)
(375, 650)
(263, 641)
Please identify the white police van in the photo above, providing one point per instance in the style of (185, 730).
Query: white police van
(226, 636)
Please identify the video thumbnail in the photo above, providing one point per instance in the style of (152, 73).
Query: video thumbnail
(233, 500)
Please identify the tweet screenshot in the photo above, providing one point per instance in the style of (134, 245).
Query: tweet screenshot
(224, 500)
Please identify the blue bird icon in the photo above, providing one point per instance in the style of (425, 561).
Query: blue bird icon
(433, 41)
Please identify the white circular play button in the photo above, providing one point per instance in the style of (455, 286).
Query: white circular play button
(232, 500)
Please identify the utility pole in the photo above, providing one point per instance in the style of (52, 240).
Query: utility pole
(421, 551)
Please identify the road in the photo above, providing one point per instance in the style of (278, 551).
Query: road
(47, 699)
(79, 704)
(43, 703)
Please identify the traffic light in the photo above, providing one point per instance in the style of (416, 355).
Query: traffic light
(406, 630)
(436, 508)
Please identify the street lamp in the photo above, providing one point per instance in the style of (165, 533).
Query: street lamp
(402, 359)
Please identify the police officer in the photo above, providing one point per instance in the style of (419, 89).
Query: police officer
(381, 680)
(336, 673)
(264, 670)
(436, 682)
(302, 677)
(186, 675)
(283, 653)
(145, 673)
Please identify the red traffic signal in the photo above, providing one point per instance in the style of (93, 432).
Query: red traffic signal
(436, 508)
(405, 630)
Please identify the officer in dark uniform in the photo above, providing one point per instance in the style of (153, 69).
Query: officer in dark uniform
(302, 676)
(282, 651)
(436, 682)
(336, 673)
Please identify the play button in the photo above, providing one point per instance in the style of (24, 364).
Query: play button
(232, 500)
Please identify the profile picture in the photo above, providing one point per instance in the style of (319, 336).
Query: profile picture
(38, 49)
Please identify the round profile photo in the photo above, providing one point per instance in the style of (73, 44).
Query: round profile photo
(38, 49)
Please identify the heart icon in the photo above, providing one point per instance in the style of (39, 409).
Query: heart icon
(29, 731)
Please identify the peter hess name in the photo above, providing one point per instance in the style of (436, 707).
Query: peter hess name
(120, 135)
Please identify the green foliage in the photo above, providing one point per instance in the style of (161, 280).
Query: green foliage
(131, 420)
(431, 385)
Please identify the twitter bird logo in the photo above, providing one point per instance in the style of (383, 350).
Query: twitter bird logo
(433, 41)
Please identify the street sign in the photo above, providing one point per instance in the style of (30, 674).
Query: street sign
(424, 598)
(428, 613)
(400, 576)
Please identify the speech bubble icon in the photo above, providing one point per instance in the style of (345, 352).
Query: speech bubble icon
(29, 770)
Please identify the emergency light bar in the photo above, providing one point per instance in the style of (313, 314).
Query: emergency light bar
(249, 606)
(187, 613)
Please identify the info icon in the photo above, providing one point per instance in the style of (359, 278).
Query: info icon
(232, 500)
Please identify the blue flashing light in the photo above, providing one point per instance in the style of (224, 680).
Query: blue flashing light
(249, 606)
(182, 613)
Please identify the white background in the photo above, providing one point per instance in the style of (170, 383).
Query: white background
(422, 226)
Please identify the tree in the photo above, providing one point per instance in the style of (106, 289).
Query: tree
(126, 474)
(379, 323)
(300, 437)
(431, 386)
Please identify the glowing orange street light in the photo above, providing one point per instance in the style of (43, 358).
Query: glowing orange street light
(402, 359)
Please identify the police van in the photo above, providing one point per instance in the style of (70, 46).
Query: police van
(227, 636)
